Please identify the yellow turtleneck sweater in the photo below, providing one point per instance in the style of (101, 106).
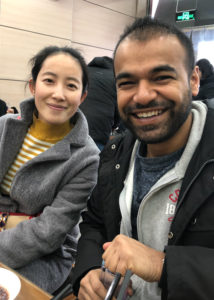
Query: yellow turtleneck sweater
(39, 138)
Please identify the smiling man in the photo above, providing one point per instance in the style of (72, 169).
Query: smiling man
(152, 209)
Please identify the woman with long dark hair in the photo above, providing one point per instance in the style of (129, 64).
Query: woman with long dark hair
(48, 169)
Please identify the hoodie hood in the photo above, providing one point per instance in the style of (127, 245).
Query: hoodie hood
(102, 62)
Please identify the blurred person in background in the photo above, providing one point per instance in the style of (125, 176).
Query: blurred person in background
(3, 107)
(12, 110)
(206, 74)
(100, 105)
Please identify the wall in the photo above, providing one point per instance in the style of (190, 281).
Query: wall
(28, 25)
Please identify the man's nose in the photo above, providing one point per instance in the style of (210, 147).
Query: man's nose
(145, 92)
(58, 92)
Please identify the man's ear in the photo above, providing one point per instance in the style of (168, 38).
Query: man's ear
(83, 96)
(32, 87)
(195, 81)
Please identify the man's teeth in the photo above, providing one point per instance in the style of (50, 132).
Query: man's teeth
(148, 114)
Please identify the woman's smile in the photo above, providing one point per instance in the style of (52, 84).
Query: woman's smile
(56, 107)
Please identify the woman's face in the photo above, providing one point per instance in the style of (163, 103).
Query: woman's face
(58, 89)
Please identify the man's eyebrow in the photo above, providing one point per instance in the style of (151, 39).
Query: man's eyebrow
(123, 75)
(163, 68)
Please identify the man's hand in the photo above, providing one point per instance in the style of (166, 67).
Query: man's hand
(91, 288)
(125, 253)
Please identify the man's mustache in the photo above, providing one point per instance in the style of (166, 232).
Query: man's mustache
(167, 104)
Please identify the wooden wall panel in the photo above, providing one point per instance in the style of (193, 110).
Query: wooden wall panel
(97, 26)
(141, 10)
(127, 7)
(17, 47)
(90, 52)
(26, 26)
(44, 16)
(13, 92)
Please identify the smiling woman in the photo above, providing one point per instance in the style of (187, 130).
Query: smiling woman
(58, 91)
(49, 172)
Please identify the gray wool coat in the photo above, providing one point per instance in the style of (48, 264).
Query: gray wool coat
(56, 184)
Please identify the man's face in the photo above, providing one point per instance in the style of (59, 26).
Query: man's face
(153, 87)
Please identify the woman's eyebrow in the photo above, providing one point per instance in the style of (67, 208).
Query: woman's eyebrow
(49, 73)
(55, 75)
(73, 79)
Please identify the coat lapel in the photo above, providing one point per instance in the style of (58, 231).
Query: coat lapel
(11, 141)
(196, 188)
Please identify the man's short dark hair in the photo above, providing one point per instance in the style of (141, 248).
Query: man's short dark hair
(144, 29)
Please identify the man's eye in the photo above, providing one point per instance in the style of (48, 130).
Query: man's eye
(125, 83)
(163, 77)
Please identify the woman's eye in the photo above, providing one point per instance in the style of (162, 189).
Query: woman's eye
(48, 80)
(72, 86)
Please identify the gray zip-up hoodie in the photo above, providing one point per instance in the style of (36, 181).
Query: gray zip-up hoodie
(159, 205)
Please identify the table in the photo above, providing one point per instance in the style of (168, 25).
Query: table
(30, 290)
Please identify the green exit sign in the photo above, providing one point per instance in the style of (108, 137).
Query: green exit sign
(185, 16)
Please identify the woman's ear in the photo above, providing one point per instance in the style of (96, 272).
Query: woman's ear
(32, 87)
(83, 96)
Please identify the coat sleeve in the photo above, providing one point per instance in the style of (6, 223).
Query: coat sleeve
(42, 235)
(93, 235)
(188, 273)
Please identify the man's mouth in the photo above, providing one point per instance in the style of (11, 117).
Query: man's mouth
(148, 114)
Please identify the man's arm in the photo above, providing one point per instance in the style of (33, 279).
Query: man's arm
(122, 254)
(89, 250)
(125, 253)
(188, 270)
(91, 287)
(101, 221)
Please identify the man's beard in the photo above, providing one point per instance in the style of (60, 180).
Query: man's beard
(168, 129)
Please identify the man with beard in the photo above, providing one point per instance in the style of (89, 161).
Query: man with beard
(152, 209)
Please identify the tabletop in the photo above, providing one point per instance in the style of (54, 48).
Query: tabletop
(32, 291)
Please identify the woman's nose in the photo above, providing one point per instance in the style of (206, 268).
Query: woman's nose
(58, 92)
(145, 92)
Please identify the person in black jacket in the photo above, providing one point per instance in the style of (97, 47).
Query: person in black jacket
(206, 74)
(12, 110)
(152, 209)
(3, 107)
(100, 105)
